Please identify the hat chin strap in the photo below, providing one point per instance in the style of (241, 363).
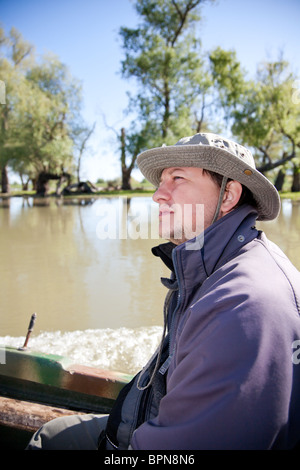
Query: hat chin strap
(222, 191)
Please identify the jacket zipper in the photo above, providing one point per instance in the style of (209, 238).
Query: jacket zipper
(175, 316)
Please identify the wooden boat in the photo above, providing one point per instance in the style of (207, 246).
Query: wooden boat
(37, 387)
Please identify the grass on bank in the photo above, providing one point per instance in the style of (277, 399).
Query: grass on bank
(290, 195)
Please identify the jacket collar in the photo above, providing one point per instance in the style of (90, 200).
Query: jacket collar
(195, 260)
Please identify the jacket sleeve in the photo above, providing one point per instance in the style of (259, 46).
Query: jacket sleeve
(230, 381)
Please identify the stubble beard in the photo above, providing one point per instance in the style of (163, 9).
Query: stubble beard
(182, 224)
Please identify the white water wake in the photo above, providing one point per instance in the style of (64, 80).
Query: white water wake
(124, 349)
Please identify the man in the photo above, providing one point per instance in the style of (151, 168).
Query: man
(224, 375)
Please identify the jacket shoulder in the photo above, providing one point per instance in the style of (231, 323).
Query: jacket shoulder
(282, 266)
(259, 273)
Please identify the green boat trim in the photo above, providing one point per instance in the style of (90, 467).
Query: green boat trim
(44, 386)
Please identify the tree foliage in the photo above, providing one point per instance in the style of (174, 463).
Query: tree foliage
(263, 112)
(182, 90)
(42, 108)
(163, 56)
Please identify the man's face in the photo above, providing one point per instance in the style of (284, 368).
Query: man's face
(187, 200)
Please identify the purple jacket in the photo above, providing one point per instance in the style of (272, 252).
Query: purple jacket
(234, 378)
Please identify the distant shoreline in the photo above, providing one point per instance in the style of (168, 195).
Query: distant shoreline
(115, 192)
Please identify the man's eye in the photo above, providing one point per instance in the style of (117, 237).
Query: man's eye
(177, 177)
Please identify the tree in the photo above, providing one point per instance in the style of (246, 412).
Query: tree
(15, 53)
(132, 144)
(261, 112)
(42, 108)
(228, 79)
(80, 136)
(49, 141)
(164, 56)
(277, 116)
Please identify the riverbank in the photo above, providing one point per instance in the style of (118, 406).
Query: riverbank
(114, 192)
(290, 195)
(106, 193)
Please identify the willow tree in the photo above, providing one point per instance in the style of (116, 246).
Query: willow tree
(42, 107)
(49, 146)
(15, 56)
(163, 54)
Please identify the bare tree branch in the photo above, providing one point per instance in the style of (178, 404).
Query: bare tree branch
(183, 16)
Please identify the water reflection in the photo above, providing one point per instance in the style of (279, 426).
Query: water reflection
(59, 260)
(285, 230)
(53, 263)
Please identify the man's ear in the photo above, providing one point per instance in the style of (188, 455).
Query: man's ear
(231, 197)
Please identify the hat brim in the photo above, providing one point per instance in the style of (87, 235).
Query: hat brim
(152, 162)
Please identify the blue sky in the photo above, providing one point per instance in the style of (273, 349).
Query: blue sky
(84, 35)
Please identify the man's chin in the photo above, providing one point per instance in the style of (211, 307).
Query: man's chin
(172, 237)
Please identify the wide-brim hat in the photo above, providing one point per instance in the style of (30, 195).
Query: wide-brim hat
(215, 153)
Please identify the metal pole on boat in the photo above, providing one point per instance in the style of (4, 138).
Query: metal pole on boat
(30, 328)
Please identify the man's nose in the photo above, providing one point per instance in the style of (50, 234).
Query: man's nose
(162, 193)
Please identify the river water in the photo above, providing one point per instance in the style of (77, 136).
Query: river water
(86, 269)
